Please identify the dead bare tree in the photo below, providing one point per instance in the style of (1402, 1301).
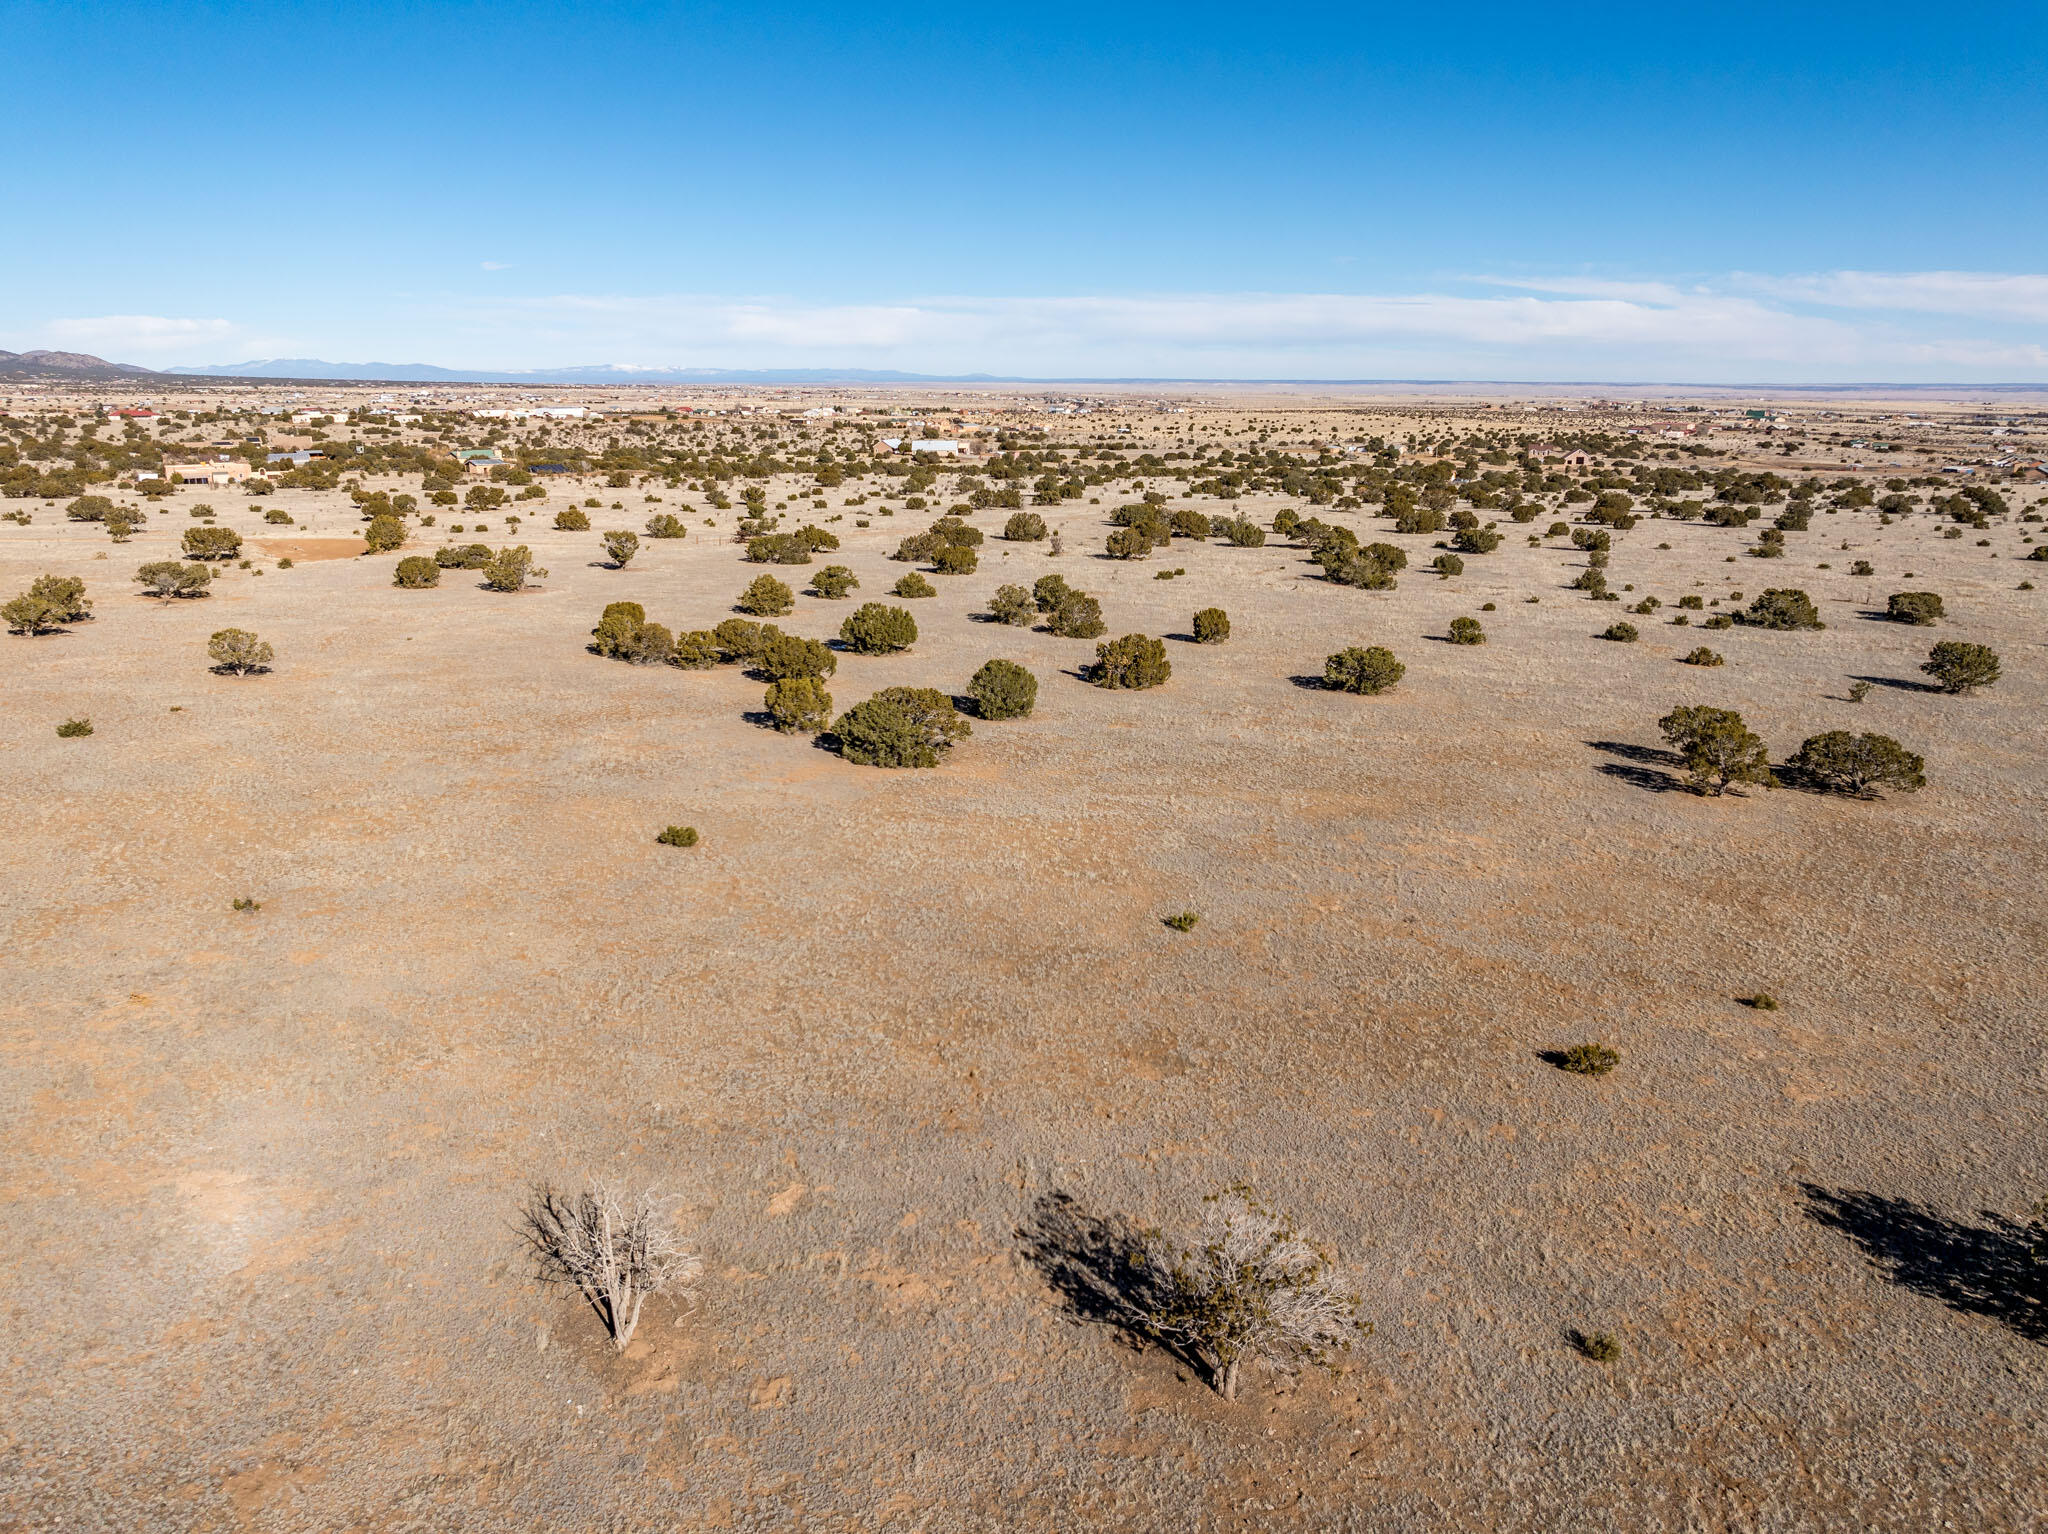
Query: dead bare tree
(613, 1248)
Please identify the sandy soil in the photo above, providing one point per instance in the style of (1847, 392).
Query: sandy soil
(262, 1168)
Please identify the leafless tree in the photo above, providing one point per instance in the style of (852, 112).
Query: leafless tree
(614, 1248)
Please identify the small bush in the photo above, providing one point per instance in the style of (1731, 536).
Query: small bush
(512, 569)
(1763, 1001)
(1002, 689)
(666, 525)
(1620, 633)
(168, 578)
(1183, 921)
(779, 549)
(1919, 608)
(278, 517)
(1587, 1059)
(1447, 565)
(1857, 765)
(1024, 527)
(1719, 621)
(1133, 662)
(620, 547)
(1467, 631)
(766, 597)
(244, 903)
(239, 652)
(384, 534)
(1783, 608)
(1243, 533)
(416, 571)
(572, 520)
(1718, 749)
(1013, 605)
(1370, 670)
(877, 629)
(72, 729)
(799, 704)
(1128, 543)
(833, 582)
(1961, 668)
(1476, 540)
(1048, 591)
(1600, 1347)
(1212, 626)
(913, 586)
(954, 559)
(900, 727)
(1701, 657)
(740, 641)
(786, 655)
(678, 836)
(1079, 616)
(212, 543)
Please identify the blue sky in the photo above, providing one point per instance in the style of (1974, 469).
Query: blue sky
(1789, 193)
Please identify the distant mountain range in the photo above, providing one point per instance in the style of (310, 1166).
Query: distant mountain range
(75, 366)
(612, 373)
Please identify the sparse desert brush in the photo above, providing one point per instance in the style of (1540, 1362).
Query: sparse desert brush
(1079, 616)
(384, 534)
(1919, 608)
(1133, 662)
(571, 519)
(612, 1248)
(779, 549)
(620, 547)
(1587, 1059)
(697, 650)
(1189, 523)
(1002, 689)
(833, 582)
(1719, 621)
(1600, 1347)
(1467, 631)
(1024, 527)
(665, 524)
(1447, 565)
(1182, 921)
(1370, 670)
(278, 517)
(1476, 540)
(1048, 591)
(212, 543)
(1719, 751)
(1013, 605)
(238, 652)
(1838, 762)
(1783, 608)
(623, 633)
(1961, 668)
(512, 569)
(955, 559)
(73, 729)
(1212, 626)
(245, 904)
(798, 704)
(1128, 543)
(1247, 1290)
(1701, 657)
(1763, 1001)
(875, 628)
(470, 556)
(913, 586)
(678, 836)
(1243, 533)
(789, 655)
(416, 571)
(740, 640)
(1862, 567)
(900, 727)
(1620, 633)
(766, 597)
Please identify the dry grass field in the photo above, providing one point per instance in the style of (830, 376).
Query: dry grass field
(888, 1038)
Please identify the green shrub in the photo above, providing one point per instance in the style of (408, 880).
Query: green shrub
(511, 569)
(1961, 668)
(472, 556)
(1002, 689)
(1447, 565)
(697, 650)
(1556, 530)
(89, 508)
(416, 571)
(1132, 662)
(1245, 534)
(1128, 543)
(1189, 523)
(1920, 608)
(1701, 657)
(767, 597)
(954, 559)
(1370, 670)
(168, 578)
(1857, 765)
(623, 633)
(620, 547)
(778, 549)
(278, 517)
(572, 520)
(1419, 519)
(50, 601)
(1621, 633)
(1467, 631)
(900, 727)
(384, 534)
(1718, 750)
(1600, 1347)
(1587, 1059)
(787, 655)
(1476, 540)
(1719, 621)
(1212, 626)
(212, 543)
(1783, 608)
(833, 582)
(678, 836)
(1024, 527)
(666, 525)
(876, 629)
(741, 641)
(72, 729)
(1182, 921)
(1013, 605)
(912, 586)
(1079, 616)
(798, 704)
(238, 651)
(1048, 591)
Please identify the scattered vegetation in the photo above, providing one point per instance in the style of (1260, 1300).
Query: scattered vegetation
(1002, 689)
(1783, 608)
(1701, 657)
(900, 727)
(1920, 608)
(1370, 670)
(833, 582)
(416, 571)
(877, 629)
(678, 836)
(1014, 606)
(1588, 1059)
(512, 569)
(1183, 921)
(766, 597)
(620, 547)
(1133, 662)
(238, 652)
(73, 729)
(799, 704)
(1212, 626)
(1467, 631)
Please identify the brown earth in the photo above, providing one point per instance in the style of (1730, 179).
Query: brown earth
(262, 1167)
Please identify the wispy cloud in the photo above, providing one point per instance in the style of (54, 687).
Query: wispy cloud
(1981, 295)
(128, 335)
(497, 266)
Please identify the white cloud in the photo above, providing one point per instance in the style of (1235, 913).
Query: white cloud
(121, 336)
(1982, 295)
(497, 266)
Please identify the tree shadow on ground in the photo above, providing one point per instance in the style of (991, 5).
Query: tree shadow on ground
(1311, 683)
(1986, 1270)
(1899, 682)
(1641, 766)
(1097, 1265)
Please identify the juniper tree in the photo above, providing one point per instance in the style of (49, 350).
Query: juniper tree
(1718, 750)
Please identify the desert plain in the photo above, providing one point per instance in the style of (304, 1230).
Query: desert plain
(893, 1043)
